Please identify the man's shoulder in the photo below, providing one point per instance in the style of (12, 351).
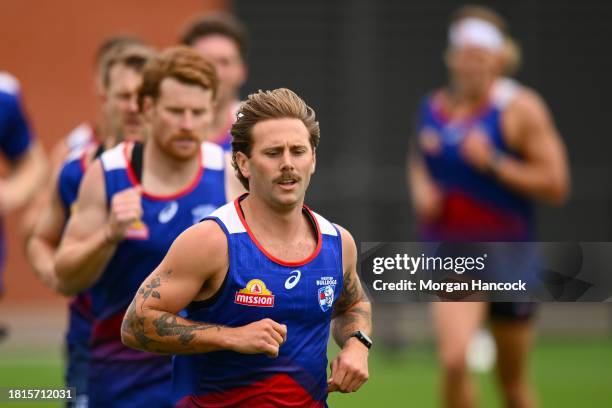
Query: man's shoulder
(9, 95)
(213, 156)
(204, 242)
(325, 226)
(348, 242)
(227, 218)
(80, 136)
(9, 84)
(72, 167)
(115, 158)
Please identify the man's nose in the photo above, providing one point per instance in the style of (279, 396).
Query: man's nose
(287, 160)
(133, 104)
(187, 120)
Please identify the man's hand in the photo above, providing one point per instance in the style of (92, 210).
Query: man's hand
(428, 202)
(478, 151)
(349, 370)
(126, 208)
(263, 336)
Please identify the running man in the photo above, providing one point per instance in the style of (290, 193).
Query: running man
(261, 281)
(122, 69)
(486, 150)
(222, 39)
(25, 157)
(132, 204)
(86, 133)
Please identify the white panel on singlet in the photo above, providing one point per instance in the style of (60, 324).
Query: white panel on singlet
(114, 158)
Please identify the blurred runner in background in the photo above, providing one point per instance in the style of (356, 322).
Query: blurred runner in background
(486, 150)
(121, 75)
(24, 156)
(132, 203)
(222, 39)
(85, 133)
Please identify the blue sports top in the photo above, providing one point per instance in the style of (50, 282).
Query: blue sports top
(476, 206)
(15, 134)
(146, 241)
(300, 295)
(80, 318)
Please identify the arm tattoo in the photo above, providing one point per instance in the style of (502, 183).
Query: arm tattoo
(359, 317)
(167, 325)
(352, 310)
(149, 289)
(134, 327)
(352, 293)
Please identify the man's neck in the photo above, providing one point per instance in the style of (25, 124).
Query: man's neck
(163, 174)
(460, 97)
(270, 221)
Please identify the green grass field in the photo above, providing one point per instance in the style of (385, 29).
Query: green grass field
(566, 373)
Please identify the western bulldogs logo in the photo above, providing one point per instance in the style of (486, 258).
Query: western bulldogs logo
(326, 292)
(326, 297)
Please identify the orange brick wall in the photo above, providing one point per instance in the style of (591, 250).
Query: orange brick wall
(50, 46)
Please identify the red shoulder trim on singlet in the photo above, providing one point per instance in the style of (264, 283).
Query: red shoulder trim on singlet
(156, 197)
(86, 150)
(439, 108)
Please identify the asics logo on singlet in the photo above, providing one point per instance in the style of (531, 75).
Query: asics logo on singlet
(293, 279)
(168, 212)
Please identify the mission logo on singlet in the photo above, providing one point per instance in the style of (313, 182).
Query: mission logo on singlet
(255, 294)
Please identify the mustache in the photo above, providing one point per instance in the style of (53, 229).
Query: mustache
(287, 176)
(185, 136)
(132, 117)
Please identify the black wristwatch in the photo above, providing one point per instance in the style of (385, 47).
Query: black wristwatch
(363, 338)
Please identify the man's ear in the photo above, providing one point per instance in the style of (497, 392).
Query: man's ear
(242, 160)
(314, 162)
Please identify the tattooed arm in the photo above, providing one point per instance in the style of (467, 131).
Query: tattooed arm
(352, 312)
(193, 269)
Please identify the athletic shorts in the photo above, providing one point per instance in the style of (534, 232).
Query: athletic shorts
(512, 311)
(144, 383)
(76, 374)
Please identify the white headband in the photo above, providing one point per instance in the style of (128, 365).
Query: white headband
(475, 32)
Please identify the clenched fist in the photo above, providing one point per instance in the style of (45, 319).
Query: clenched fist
(263, 336)
(349, 370)
(126, 208)
(477, 150)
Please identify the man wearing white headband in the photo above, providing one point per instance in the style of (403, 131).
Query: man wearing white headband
(486, 149)
(476, 33)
